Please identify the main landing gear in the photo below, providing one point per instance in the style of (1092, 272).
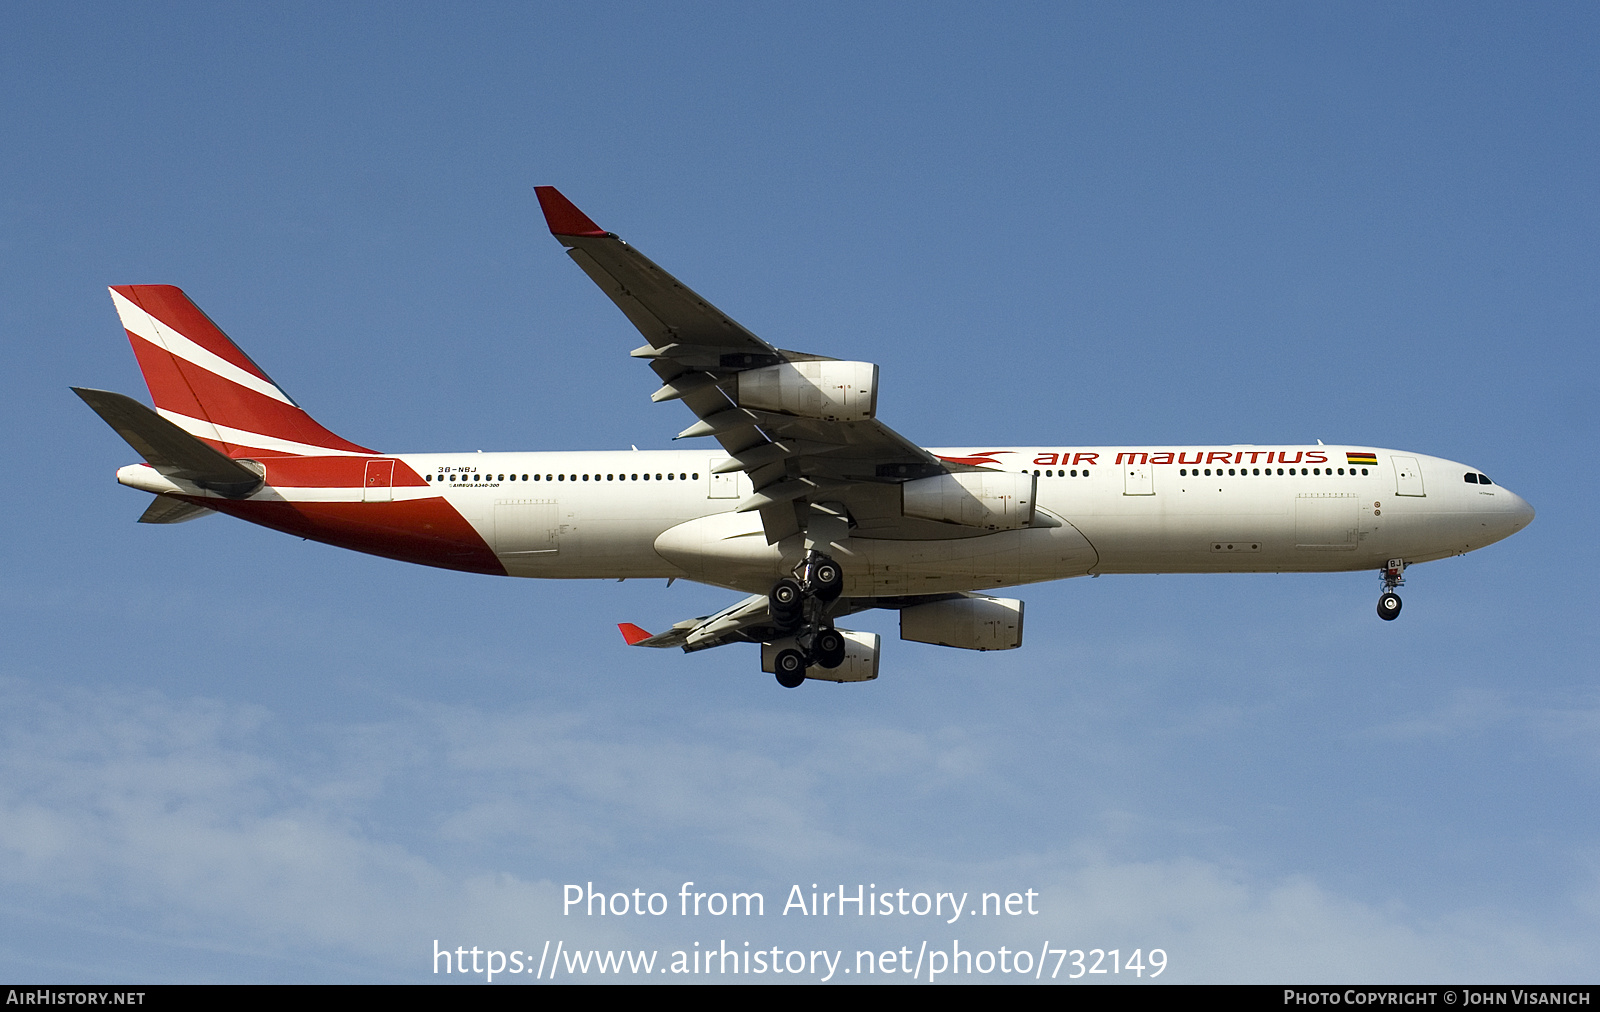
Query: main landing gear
(1389, 602)
(799, 607)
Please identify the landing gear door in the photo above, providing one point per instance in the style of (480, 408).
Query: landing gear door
(1407, 476)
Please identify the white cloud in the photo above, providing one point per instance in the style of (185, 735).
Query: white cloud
(189, 820)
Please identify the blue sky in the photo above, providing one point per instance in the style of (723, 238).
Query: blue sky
(227, 755)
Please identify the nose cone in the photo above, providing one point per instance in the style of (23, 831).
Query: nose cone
(1519, 514)
(1505, 513)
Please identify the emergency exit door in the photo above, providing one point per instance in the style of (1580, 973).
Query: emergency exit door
(1407, 477)
(379, 486)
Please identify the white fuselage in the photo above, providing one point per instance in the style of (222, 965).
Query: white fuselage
(1119, 510)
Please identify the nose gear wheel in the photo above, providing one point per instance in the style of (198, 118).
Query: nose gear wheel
(1394, 575)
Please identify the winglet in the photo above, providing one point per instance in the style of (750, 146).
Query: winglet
(630, 632)
(563, 216)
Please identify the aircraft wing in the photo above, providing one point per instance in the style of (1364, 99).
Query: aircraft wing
(747, 621)
(698, 352)
(750, 621)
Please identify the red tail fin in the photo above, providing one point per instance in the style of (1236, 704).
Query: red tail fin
(202, 381)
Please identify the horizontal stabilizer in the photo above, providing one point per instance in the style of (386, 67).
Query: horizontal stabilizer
(168, 448)
(164, 509)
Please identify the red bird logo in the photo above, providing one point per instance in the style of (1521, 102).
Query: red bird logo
(983, 457)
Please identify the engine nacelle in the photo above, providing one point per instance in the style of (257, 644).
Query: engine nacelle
(860, 658)
(831, 391)
(969, 623)
(996, 500)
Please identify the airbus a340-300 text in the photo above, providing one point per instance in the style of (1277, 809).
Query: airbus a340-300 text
(808, 503)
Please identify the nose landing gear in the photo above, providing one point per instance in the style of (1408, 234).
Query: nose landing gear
(799, 607)
(1389, 607)
(1389, 602)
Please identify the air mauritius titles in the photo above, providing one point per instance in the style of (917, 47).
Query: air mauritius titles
(844, 901)
(1072, 457)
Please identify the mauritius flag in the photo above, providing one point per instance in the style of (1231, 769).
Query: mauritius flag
(1358, 459)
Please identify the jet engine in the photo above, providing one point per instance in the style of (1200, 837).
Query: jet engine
(997, 500)
(974, 622)
(829, 390)
(860, 658)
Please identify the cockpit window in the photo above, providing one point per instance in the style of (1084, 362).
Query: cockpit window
(1483, 479)
(1470, 478)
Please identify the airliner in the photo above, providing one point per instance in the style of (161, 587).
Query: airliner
(797, 495)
